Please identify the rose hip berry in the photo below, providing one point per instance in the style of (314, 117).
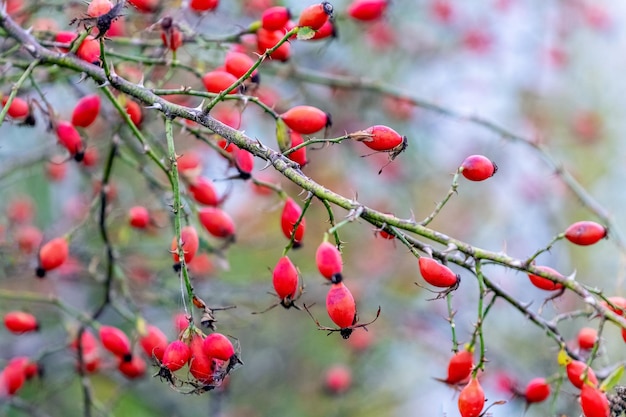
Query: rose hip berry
(217, 81)
(86, 110)
(171, 35)
(200, 6)
(52, 255)
(115, 341)
(191, 242)
(267, 39)
(203, 191)
(315, 15)
(478, 168)
(471, 399)
(200, 365)
(135, 368)
(99, 7)
(154, 342)
(459, 367)
(290, 215)
(19, 322)
(139, 217)
(381, 138)
(585, 233)
(594, 402)
(18, 109)
(70, 139)
(437, 274)
(218, 346)
(576, 369)
(217, 222)
(587, 338)
(306, 119)
(176, 355)
(338, 379)
(134, 112)
(367, 10)
(238, 63)
(285, 278)
(329, 262)
(275, 18)
(537, 390)
(341, 306)
(545, 283)
(298, 156)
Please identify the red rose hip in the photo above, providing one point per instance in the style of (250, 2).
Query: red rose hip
(478, 168)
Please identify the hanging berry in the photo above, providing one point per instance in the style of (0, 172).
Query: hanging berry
(176, 355)
(575, 371)
(52, 255)
(594, 402)
(459, 367)
(135, 368)
(587, 338)
(86, 110)
(471, 399)
(19, 322)
(19, 108)
(115, 341)
(69, 137)
(285, 279)
(153, 342)
(203, 191)
(218, 346)
(537, 390)
(367, 10)
(329, 262)
(171, 35)
(437, 274)
(139, 217)
(290, 215)
(217, 222)
(340, 306)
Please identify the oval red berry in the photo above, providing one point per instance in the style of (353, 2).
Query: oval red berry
(478, 168)
(585, 233)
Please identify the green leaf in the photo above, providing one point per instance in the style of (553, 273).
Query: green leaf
(282, 135)
(305, 33)
(613, 378)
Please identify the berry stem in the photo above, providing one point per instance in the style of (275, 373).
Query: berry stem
(177, 208)
(331, 220)
(547, 248)
(455, 343)
(453, 190)
(314, 140)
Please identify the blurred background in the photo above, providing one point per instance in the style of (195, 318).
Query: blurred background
(548, 71)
